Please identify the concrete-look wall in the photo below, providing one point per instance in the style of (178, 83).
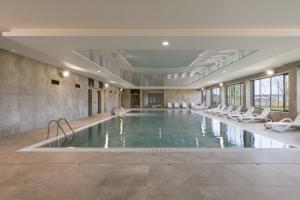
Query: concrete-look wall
(111, 96)
(28, 100)
(187, 96)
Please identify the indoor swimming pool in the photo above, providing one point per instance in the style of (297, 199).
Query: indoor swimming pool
(165, 129)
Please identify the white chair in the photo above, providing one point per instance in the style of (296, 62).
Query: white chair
(197, 107)
(234, 112)
(211, 110)
(222, 109)
(227, 111)
(249, 111)
(176, 105)
(183, 105)
(169, 105)
(284, 124)
(263, 116)
(193, 105)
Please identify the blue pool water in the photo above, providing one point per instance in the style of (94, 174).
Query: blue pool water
(172, 129)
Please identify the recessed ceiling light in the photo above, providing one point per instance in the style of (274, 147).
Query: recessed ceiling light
(98, 71)
(165, 43)
(224, 71)
(106, 85)
(270, 72)
(221, 84)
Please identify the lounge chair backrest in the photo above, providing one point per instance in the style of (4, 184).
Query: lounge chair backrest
(265, 112)
(230, 108)
(238, 109)
(249, 111)
(297, 119)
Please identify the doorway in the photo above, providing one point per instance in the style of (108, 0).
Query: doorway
(90, 102)
(99, 101)
(135, 98)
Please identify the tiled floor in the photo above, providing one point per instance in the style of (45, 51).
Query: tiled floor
(207, 174)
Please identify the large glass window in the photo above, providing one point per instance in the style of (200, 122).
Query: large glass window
(271, 92)
(215, 96)
(234, 94)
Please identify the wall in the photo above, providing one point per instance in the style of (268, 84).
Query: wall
(187, 96)
(28, 100)
(111, 95)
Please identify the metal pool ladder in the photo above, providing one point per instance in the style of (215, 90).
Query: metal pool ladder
(58, 125)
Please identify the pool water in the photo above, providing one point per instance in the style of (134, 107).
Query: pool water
(171, 129)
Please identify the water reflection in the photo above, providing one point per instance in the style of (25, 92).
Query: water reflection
(233, 135)
(179, 129)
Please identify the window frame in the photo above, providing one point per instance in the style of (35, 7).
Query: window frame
(211, 96)
(241, 84)
(284, 76)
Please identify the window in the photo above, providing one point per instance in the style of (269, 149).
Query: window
(215, 96)
(234, 94)
(271, 92)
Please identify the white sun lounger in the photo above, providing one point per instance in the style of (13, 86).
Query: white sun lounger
(197, 107)
(222, 109)
(214, 109)
(234, 112)
(176, 105)
(249, 111)
(226, 111)
(284, 124)
(183, 105)
(263, 116)
(169, 105)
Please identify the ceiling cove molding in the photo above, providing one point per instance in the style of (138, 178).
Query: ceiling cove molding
(153, 32)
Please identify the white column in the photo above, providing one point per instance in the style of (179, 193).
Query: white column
(208, 96)
(248, 93)
(223, 95)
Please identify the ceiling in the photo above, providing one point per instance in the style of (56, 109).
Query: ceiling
(65, 14)
(129, 35)
(160, 58)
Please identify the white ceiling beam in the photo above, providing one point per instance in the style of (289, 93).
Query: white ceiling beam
(155, 32)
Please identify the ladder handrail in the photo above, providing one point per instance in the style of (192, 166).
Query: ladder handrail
(57, 126)
(64, 119)
(49, 124)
